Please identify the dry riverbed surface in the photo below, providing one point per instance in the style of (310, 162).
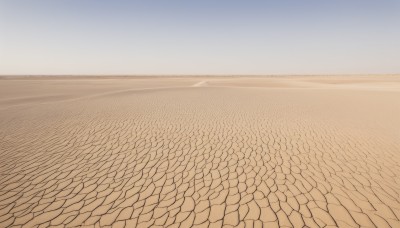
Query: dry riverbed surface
(294, 151)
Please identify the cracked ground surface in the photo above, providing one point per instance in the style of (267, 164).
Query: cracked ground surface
(208, 152)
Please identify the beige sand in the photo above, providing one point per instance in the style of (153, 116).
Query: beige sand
(227, 151)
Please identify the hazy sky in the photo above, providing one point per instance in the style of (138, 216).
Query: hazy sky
(199, 36)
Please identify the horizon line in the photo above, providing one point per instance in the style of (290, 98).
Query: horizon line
(192, 75)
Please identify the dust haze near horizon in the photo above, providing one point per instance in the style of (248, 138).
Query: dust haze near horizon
(199, 37)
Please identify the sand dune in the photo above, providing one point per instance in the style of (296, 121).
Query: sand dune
(199, 84)
(200, 151)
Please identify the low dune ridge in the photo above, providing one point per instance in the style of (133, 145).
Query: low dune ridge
(292, 151)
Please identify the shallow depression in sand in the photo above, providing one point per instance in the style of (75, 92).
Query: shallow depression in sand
(228, 151)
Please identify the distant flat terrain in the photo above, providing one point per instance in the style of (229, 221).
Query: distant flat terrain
(277, 151)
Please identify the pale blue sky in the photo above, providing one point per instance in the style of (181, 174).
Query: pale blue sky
(199, 37)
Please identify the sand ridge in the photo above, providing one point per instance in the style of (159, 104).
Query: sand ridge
(232, 152)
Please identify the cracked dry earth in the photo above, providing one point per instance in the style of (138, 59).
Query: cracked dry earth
(228, 152)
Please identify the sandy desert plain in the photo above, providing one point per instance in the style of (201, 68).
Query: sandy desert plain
(277, 151)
